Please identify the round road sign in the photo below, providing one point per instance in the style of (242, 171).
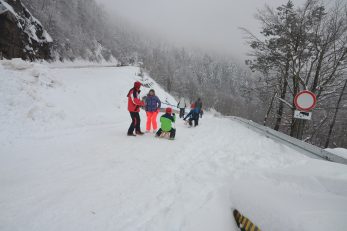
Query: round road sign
(305, 101)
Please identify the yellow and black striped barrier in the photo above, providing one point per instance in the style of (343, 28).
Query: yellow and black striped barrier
(244, 223)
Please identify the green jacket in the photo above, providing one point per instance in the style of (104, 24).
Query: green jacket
(166, 121)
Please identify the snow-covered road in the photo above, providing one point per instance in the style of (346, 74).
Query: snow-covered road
(66, 164)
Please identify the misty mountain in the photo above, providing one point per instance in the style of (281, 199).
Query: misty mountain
(81, 29)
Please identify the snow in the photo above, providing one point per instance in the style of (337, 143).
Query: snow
(3, 9)
(28, 48)
(30, 30)
(47, 36)
(80, 63)
(66, 163)
(16, 64)
(7, 6)
(338, 151)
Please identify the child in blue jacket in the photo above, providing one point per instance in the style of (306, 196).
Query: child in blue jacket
(193, 115)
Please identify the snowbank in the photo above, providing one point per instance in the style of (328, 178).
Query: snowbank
(16, 64)
(338, 151)
(79, 63)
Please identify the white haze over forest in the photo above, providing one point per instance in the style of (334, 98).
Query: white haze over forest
(211, 25)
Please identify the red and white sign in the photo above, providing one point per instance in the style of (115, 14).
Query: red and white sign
(305, 101)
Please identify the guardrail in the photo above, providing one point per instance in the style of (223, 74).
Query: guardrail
(301, 146)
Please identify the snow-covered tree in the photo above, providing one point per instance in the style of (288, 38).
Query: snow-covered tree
(300, 49)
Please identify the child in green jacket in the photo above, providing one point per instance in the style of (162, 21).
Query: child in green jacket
(166, 121)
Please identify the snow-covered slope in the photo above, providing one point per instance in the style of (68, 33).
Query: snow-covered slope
(338, 151)
(66, 163)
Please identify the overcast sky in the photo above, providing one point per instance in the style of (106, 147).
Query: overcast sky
(208, 24)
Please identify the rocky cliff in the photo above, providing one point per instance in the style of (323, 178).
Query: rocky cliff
(21, 34)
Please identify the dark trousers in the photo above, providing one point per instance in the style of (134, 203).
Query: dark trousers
(182, 111)
(172, 132)
(135, 123)
(196, 122)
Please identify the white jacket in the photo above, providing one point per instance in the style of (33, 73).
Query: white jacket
(182, 103)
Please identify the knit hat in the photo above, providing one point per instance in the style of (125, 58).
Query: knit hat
(149, 93)
(137, 85)
(168, 110)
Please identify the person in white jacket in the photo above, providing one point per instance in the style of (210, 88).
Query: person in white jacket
(182, 104)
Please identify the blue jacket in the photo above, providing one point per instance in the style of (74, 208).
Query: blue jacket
(198, 105)
(152, 103)
(193, 114)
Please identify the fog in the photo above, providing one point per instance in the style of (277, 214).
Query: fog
(212, 25)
